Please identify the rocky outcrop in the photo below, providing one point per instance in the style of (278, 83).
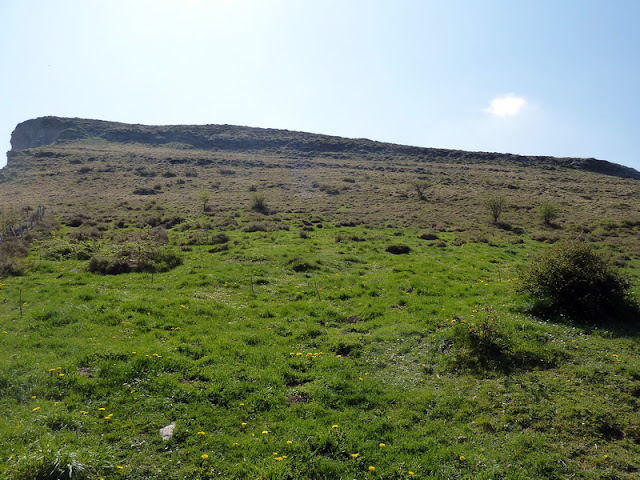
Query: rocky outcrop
(45, 131)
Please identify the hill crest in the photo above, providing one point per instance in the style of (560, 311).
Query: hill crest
(51, 130)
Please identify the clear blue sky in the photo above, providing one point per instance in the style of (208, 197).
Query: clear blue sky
(540, 77)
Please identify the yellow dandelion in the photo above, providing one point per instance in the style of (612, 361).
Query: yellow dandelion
(134, 353)
(241, 404)
(372, 468)
(120, 467)
(61, 374)
(289, 442)
(102, 409)
(204, 456)
(200, 433)
(410, 472)
(35, 409)
(382, 445)
(243, 424)
(463, 458)
(299, 354)
(355, 455)
(264, 432)
(360, 378)
(279, 459)
(108, 417)
(334, 426)
(339, 356)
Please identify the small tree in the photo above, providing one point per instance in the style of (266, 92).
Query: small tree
(548, 212)
(495, 204)
(420, 187)
(205, 197)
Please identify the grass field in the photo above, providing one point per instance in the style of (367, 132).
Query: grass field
(292, 344)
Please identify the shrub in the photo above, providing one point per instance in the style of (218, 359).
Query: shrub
(298, 264)
(485, 345)
(495, 204)
(259, 204)
(548, 212)
(428, 236)
(572, 278)
(12, 251)
(398, 249)
(134, 257)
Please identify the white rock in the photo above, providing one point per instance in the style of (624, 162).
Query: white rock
(167, 432)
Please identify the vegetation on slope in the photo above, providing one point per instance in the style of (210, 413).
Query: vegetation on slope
(358, 330)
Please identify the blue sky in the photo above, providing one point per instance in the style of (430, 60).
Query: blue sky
(539, 77)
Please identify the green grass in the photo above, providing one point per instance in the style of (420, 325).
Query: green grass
(430, 353)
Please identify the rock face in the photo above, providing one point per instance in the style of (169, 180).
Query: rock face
(37, 133)
(45, 131)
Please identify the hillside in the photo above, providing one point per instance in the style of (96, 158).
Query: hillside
(200, 302)
(102, 165)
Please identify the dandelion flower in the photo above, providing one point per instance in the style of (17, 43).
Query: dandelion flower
(35, 409)
(243, 424)
(334, 426)
(200, 433)
(204, 456)
(264, 432)
(372, 468)
(289, 442)
(410, 472)
(279, 459)
(83, 412)
(382, 445)
(463, 458)
(355, 455)
(61, 374)
(120, 467)
(102, 409)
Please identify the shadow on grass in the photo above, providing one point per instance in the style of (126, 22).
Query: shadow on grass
(623, 320)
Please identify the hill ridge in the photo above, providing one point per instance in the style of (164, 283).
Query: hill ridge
(52, 130)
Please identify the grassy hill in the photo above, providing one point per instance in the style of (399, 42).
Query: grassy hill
(304, 306)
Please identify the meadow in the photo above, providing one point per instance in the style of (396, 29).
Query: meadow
(347, 329)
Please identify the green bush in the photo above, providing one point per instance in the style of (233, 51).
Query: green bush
(548, 212)
(495, 204)
(134, 257)
(572, 278)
